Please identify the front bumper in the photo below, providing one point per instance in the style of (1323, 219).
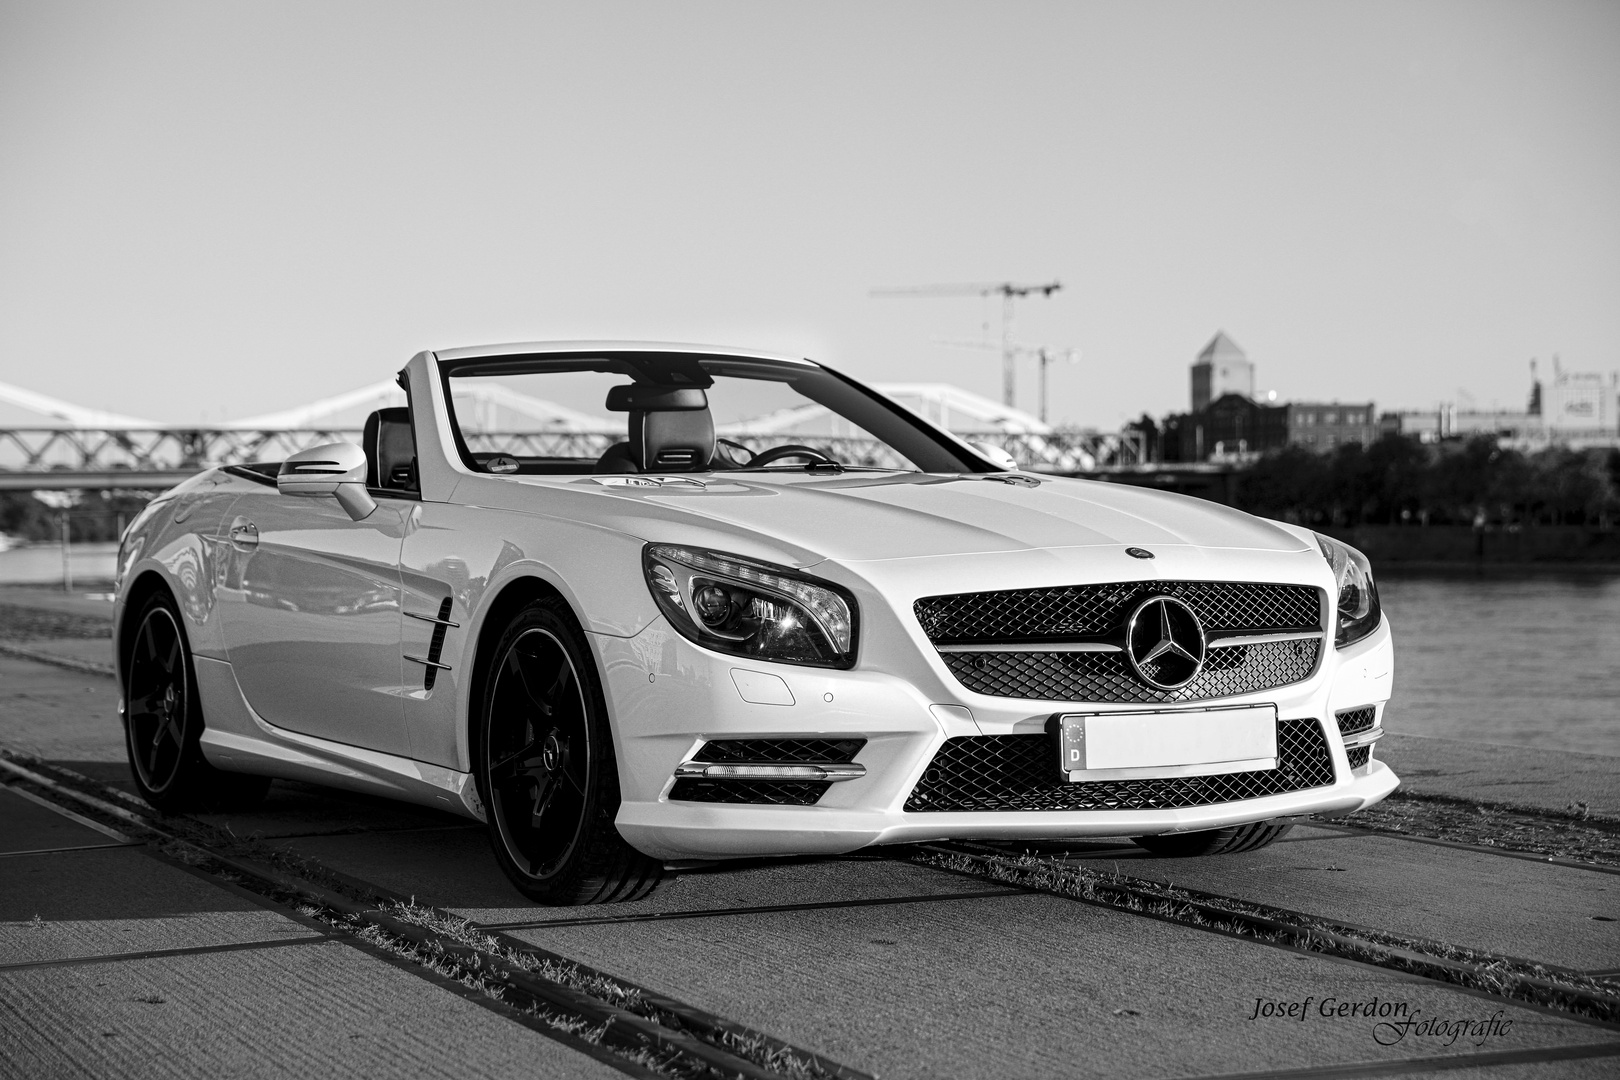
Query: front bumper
(667, 697)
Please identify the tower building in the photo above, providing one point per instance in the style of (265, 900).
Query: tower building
(1221, 368)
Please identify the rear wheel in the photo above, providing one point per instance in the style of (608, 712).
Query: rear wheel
(546, 768)
(1225, 841)
(163, 721)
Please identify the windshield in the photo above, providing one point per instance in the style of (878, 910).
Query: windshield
(680, 412)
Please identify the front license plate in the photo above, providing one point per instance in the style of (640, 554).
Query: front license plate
(1201, 742)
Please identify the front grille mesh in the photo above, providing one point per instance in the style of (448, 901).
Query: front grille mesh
(1069, 611)
(1353, 720)
(1020, 772)
(1359, 756)
(770, 792)
(1099, 676)
(766, 752)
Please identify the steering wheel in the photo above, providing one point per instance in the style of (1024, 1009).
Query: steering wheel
(777, 453)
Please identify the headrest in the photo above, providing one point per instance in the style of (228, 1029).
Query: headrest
(645, 397)
(673, 440)
(390, 448)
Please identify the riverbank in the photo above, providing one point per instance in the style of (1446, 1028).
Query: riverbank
(1453, 546)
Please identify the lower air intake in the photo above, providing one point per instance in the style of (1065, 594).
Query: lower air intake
(759, 792)
(1353, 720)
(1019, 772)
(765, 752)
(1359, 756)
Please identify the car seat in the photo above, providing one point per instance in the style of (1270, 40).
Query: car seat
(671, 430)
(390, 448)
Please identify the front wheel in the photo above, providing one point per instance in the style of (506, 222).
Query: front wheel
(546, 768)
(1233, 838)
(163, 721)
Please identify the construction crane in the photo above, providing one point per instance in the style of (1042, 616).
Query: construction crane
(1043, 354)
(1008, 291)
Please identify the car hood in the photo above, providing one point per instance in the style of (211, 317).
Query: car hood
(868, 518)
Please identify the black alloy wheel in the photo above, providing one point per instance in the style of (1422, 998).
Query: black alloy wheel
(547, 773)
(163, 721)
(1232, 839)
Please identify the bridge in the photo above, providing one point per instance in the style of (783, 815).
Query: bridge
(78, 448)
(151, 459)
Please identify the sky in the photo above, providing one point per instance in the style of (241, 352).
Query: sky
(213, 210)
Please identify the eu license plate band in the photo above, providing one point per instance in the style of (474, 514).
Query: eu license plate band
(1189, 742)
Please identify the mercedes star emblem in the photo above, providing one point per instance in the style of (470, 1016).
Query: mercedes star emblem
(1165, 642)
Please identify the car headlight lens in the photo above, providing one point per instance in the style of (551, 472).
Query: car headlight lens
(1357, 603)
(748, 608)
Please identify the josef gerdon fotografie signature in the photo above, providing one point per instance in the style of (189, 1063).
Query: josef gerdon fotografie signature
(1392, 1022)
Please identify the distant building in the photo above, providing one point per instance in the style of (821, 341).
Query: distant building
(1579, 403)
(1574, 409)
(1232, 427)
(1221, 369)
(1318, 426)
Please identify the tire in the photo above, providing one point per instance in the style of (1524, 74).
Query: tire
(546, 770)
(163, 720)
(1225, 841)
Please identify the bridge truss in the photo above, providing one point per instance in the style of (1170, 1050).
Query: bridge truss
(155, 458)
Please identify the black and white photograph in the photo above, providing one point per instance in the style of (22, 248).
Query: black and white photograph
(889, 540)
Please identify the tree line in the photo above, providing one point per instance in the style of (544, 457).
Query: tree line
(1399, 480)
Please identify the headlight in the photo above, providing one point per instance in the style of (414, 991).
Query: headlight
(747, 608)
(1358, 596)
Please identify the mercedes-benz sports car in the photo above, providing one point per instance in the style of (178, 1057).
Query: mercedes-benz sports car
(634, 605)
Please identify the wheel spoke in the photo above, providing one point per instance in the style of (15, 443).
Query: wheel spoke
(573, 771)
(544, 792)
(146, 639)
(565, 675)
(510, 765)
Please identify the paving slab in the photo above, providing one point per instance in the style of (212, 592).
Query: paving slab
(120, 900)
(1592, 1068)
(1533, 910)
(301, 1011)
(456, 870)
(1029, 986)
(59, 715)
(83, 650)
(1520, 775)
(25, 825)
(91, 604)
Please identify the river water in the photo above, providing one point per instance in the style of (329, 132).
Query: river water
(1525, 659)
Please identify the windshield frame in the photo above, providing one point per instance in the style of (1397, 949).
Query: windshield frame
(930, 448)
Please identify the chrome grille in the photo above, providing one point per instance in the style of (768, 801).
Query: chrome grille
(1353, 720)
(1097, 614)
(1020, 772)
(1359, 756)
(1070, 611)
(1093, 676)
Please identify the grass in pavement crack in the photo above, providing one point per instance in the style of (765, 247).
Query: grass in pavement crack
(1575, 833)
(1497, 975)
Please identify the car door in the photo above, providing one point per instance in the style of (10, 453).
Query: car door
(311, 612)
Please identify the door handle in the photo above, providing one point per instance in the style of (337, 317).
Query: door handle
(243, 533)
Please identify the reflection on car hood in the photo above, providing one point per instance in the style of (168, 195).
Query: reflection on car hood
(868, 517)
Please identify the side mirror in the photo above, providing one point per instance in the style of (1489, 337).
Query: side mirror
(336, 469)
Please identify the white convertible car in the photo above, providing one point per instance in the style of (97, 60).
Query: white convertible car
(776, 613)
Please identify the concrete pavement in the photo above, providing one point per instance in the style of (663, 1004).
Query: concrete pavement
(883, 965)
